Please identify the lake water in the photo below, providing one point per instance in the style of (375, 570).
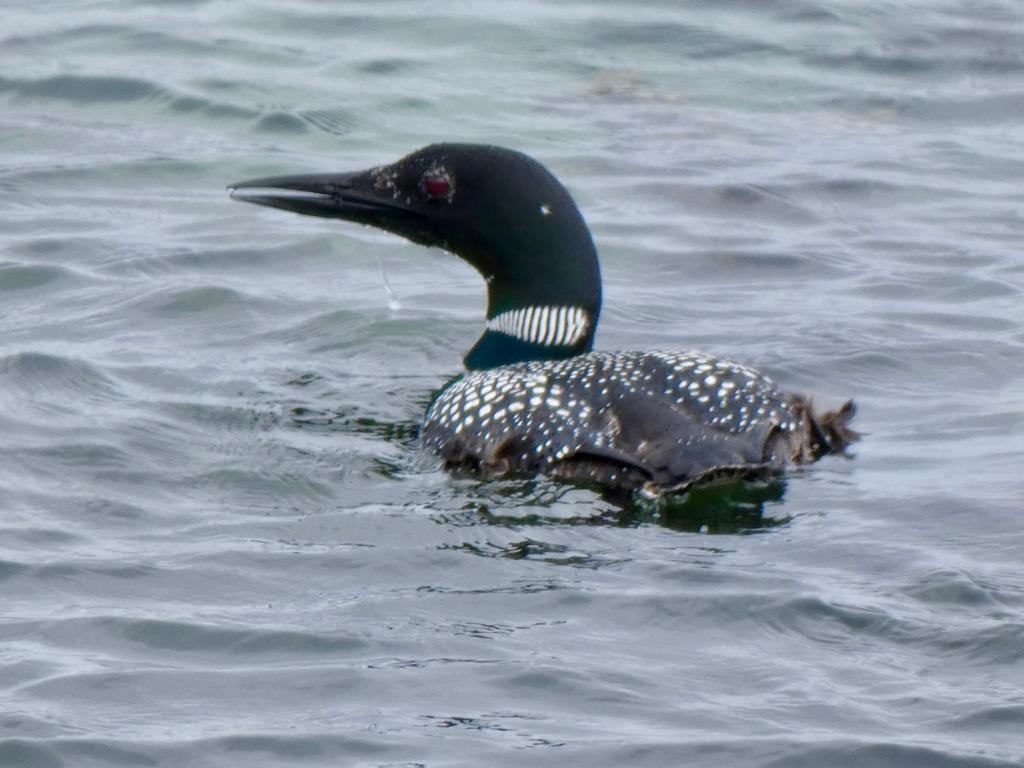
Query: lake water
(219, 544)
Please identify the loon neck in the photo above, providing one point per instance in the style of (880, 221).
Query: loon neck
(543, 332)
(549, 322)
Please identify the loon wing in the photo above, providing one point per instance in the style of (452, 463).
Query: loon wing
(666, 446)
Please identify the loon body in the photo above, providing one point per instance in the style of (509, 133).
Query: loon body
(536, 398)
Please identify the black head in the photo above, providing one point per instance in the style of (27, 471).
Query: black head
(499, 210)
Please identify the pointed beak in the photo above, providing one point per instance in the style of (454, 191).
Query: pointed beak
(349, 196)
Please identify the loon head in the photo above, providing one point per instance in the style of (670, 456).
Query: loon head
(499, 210)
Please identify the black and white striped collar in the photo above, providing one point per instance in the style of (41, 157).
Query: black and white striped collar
(545, 325)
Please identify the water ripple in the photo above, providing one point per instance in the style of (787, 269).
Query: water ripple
(219, 541)
(38, 376)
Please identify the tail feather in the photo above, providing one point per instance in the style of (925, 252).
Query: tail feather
(821, 434)
(834, 427)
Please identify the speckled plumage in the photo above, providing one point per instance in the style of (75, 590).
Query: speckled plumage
(653, 420)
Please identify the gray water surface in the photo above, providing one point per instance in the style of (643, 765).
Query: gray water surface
(219, 544)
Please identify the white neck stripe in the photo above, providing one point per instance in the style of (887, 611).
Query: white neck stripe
(550, 326)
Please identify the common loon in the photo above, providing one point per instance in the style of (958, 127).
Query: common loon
(536, 399)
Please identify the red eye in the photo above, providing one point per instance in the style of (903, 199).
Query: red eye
(436, 186)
